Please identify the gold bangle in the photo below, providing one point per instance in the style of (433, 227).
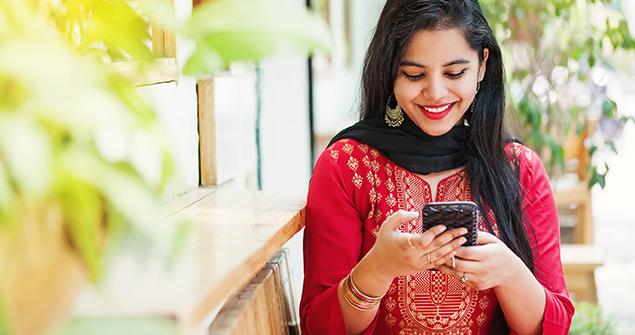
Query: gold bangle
(357, 299)
(361, 294)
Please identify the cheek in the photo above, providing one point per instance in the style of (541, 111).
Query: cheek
(466, 92)
(405, 91)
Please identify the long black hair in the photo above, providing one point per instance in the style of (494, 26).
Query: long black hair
(494, 181)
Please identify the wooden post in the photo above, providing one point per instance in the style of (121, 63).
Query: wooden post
(206, 133)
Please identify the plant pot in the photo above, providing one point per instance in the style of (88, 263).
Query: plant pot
(41, 275)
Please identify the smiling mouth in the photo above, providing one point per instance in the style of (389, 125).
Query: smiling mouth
(436, 112)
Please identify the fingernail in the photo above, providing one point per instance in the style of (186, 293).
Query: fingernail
(443, 228)
(463, 231)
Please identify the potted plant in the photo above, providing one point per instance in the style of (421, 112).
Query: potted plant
(71, 188)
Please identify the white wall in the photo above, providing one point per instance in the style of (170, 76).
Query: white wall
(285, 137)
(176, 105)
(337, 84)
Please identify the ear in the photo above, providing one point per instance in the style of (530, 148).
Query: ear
(483, 66)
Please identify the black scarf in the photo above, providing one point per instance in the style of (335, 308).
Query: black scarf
(410, 147)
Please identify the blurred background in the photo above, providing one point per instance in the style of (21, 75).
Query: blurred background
(112, 112)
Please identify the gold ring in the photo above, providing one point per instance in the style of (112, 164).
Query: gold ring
(429, 258)
(410, 242)
(453, 263)
(464, 278)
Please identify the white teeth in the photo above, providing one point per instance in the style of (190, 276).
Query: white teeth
(435, 110)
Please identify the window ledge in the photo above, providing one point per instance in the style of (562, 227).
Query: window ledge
(143, 73)
(235, 234)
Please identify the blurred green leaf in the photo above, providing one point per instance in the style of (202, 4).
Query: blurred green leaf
(27, 152)
(111, 27)
(609, 108)
(598, 178)
(4, 317)
(627, 119)
(7, 196)
(162, 12)
(611, 145)
(204, 59)
(588, 320)
(239, 30)
(83, 213)
(557, 154)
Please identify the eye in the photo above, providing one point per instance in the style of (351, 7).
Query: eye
(456, 75)
(413, 77)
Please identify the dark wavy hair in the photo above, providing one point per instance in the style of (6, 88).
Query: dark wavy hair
(494, 181)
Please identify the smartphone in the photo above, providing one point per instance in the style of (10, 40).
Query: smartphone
(453, 214)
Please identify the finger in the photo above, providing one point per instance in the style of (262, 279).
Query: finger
(447, 237)
(442, 260)
(461, 265)
(448, 247)
(486, 238)
(448, 270)
(399, 217)
(429, 263)
(426, 238)
(474, 253)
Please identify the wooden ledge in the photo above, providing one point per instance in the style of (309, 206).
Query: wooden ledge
(235, 234)
(143, 73)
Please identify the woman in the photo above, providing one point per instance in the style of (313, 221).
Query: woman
(431, 130)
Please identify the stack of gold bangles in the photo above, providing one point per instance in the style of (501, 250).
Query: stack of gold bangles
(356, 298)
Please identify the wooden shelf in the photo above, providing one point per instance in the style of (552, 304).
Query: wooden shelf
(160, 70)
(235, 234)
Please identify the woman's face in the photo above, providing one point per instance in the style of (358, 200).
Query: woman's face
(437, 78)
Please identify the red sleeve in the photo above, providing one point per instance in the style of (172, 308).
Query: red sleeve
(332, 242)
(544, 233)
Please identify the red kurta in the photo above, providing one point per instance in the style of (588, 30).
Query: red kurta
(354, 189)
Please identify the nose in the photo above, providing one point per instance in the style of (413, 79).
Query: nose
(435, 89)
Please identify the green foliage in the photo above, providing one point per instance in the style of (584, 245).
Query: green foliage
(4, 318)
(60, 113)
(588, 320)
(557, 53)
(72, 131)
(243, 30)
(80, 122)
(112, 28)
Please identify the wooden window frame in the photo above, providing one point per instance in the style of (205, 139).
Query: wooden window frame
(163, 68)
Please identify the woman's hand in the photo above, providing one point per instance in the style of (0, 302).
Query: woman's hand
(396, 253)
(488, 264)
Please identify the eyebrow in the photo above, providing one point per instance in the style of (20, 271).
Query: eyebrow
(454, 62)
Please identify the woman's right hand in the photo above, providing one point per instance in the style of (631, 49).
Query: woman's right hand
(392, 255)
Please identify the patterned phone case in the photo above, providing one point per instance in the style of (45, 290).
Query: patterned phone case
(453, 215)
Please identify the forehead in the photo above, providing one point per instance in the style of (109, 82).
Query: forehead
(436, 47)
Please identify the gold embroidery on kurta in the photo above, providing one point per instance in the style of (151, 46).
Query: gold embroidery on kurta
(366, 161)
(348, 148)
(357, 180)
(352, 163)
(335, 154)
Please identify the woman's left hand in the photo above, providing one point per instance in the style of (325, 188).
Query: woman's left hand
(488, 264)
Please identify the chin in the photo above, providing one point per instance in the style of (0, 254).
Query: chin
(434, 130)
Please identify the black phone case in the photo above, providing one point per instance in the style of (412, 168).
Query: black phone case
(453, 215)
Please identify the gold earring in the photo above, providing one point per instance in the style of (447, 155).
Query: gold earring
(478, 87)
(394, 116)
